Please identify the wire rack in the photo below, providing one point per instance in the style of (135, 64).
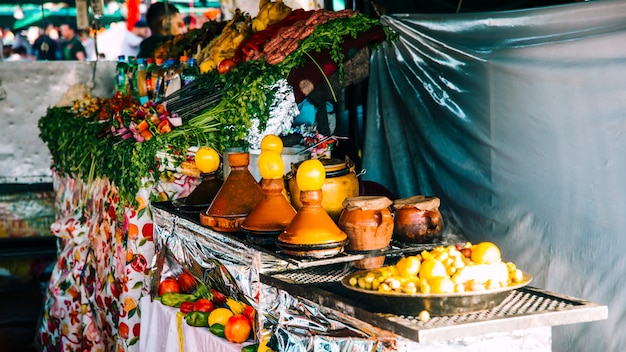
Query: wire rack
(523, 308)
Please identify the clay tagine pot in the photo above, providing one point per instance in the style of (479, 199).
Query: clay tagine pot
(312, 232)
(202, 196)
(272, 214)
(237, 197)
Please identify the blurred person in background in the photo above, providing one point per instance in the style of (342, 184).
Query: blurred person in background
(71, 46)
(132, 39)
(165, 22)
(46, 47)
(88, 43)
(19, 53)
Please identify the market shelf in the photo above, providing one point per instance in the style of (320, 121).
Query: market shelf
(319, 281)
(273, 260)
(524, 308)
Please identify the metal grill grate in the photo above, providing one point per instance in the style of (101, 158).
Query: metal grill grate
(518, 303)
(525, 304)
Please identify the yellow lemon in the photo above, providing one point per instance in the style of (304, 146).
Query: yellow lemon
(271, 165)
(408, 267)
(220, 316)
(272, 142)
(486, 253)
(441, 284)
(311, 175)
(432, 268)
(207, 159)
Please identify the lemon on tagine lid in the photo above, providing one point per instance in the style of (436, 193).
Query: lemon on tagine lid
(237, 197)
(274, 212)
(312, 232)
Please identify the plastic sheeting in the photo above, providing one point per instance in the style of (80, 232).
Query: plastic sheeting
(516, 120)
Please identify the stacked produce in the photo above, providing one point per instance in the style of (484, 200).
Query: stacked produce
(252, 96)
(452, 269)
(206, 307)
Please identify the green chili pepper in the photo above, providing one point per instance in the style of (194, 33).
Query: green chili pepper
(175, 299)
(197, 319)
(218, 330)
(250, 348)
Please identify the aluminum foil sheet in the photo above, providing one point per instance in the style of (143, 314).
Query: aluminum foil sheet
(283, 110)
(295, 324)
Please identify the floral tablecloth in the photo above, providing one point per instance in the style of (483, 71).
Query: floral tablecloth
(104, 265)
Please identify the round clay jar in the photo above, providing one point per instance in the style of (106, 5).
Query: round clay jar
(368, 222)
(417, 220)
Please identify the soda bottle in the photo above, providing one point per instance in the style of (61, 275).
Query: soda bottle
(149, 82)
(120, 74)
(142, 92)
(191, 72)
(131, 78)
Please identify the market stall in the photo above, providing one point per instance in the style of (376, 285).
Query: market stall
(126, 166)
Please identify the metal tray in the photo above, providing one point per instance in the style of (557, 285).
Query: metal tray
(435, 304)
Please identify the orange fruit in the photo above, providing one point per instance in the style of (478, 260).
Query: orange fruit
(441, 284)
(432, 268)
(311, 175)
(237, 328)
(207, 160)
(220, 316)
(271, 165)
(408, 266)
(273, 143)
(486, 253)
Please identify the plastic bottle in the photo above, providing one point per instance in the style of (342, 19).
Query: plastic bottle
(149, 82)
(120, 74)
(172, 78)
(161, 76)
(131, 78)
(191, 72)
(142, 93)
(156, 78)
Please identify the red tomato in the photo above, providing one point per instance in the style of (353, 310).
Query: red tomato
(237, 328)
(249, 312)
(203, 305)
(226, 66)
(218, 297)
(187, 282)
(168, 285)
(187, 307)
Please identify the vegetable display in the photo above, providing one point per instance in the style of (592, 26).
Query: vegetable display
(120, 139)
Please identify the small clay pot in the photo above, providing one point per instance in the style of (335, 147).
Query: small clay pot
(368, 222)
(417, 220)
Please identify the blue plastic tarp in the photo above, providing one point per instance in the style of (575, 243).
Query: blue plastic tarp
(516, 120)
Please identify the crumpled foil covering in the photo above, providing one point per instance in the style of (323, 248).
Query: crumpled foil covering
(295, 324)
(282, 113)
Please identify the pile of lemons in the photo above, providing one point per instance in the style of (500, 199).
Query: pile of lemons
(453, 269)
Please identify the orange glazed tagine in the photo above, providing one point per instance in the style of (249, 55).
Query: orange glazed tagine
(237, 197)
(273, 213)
(312, 232)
